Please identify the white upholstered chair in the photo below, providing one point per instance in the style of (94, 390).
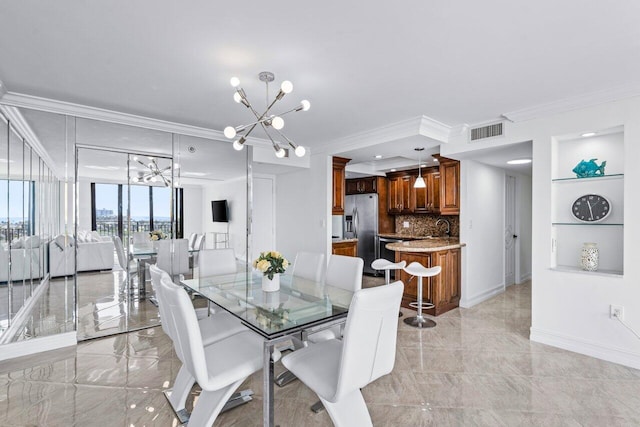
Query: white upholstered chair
(173, 257)
(309, 265)
(215, 262)
(212, 329)
(336, 370)
(220, 367)
(192, 239)
(124, 262)
(197, 246)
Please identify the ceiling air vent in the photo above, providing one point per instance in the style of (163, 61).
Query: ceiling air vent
(486, 131)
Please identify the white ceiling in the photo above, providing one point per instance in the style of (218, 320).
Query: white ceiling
(362, 65)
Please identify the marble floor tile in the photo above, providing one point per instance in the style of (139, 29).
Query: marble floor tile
(477, 367)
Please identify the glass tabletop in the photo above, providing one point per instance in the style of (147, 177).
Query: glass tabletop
(299, 302)
(148, 249)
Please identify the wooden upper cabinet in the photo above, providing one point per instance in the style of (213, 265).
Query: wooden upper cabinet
(361, 185)
(449, 187)
(399, 194)
(427, 200)
(339, 164)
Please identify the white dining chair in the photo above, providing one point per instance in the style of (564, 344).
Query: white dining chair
(173, 257)
(220, 367)
(216, 262)
(126, 264)
(309, 265)
(197, 246)
(343, 272)
(336, 370)
(212, 329)
(192, 239)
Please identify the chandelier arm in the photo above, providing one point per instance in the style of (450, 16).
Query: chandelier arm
(291, 143)
(275, 145)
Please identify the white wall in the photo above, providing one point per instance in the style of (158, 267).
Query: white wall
(482, 191)
(193, 210)
(571, 310)
(84, 206)
(235, 192)
(303, 209)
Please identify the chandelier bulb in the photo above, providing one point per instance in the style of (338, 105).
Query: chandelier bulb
(237, 145)
(300, 151)
(277, 122)
(235, 82)
(286, 86)
(237, 97)
(230, 132)
(305, 105)
(153, 179)
(280, 153)
(135, 158)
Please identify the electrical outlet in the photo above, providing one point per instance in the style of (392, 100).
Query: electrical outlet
(616, 311)
(405, 224)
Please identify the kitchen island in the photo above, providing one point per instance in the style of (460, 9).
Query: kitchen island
(346, 247)
(444, 289)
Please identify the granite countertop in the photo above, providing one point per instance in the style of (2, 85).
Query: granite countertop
(435, 244)
(341, 240)
(402, 236)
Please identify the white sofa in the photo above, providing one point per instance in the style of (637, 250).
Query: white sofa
(94, 253)
(26, 262)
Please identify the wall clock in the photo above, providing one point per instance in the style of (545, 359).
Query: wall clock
(591, 208)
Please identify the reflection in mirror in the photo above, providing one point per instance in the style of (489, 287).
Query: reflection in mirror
(5, 225)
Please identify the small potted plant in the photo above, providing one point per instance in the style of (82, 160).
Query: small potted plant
(271, 264)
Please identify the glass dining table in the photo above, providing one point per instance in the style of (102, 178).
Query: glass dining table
(145, 253)
(299, 306)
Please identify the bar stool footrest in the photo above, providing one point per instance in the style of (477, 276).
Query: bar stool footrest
(425, 305)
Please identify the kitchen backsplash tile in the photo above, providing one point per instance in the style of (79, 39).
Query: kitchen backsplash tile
(425, 225)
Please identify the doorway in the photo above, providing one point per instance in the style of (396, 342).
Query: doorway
(510, 235)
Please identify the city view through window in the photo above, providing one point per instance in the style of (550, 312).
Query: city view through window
(145, 216)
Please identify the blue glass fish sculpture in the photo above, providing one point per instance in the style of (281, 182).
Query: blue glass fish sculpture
(589, 169)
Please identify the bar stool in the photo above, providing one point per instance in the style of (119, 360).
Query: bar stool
(418, 270)
(387, 266)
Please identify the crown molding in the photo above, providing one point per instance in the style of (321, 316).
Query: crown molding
(573, 103)
(94, 113)
(416, 126)
(22, 127)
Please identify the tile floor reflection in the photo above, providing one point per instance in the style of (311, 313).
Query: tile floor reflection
(476, 367)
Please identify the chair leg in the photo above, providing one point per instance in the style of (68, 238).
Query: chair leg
(351, 410)
(210, 404)
(177, 396)
(285, 378)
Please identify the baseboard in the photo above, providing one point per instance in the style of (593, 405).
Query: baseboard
(38, 345)
(490, 293)
(525, 277)
(586, 347)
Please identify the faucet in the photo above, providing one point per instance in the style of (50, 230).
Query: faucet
(448, 232)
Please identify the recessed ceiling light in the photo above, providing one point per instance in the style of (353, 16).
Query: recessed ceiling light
(102, 168)
(392, 170)
(588, 134)
(194, 173)
(519, 161)
(435, 160)
(423, 165)
(378, 156)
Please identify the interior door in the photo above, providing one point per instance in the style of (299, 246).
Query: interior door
(510, 237)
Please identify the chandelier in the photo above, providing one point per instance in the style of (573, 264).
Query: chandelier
(153, 172)
(266, 120)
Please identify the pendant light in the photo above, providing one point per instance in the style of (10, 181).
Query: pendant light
(420, 180)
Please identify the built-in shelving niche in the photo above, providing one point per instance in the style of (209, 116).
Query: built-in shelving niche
(569, 234)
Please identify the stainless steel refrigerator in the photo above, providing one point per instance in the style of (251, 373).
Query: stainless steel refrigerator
(361, 222)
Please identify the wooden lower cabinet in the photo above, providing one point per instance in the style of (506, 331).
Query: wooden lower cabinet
(444, 291)
(345, 248)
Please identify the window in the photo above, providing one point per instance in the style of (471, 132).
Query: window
(150, 209)
(17, 213)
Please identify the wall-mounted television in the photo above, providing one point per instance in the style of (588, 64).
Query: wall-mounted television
(220, 211)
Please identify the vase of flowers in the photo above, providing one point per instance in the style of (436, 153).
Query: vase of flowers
(271, 264)
(155, 236)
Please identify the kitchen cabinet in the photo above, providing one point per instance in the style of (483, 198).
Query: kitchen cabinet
(349, 248)
(339, 164)
(361, 185)
(427, 200)
(444, 289)
(400, 193)
(449, 186)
